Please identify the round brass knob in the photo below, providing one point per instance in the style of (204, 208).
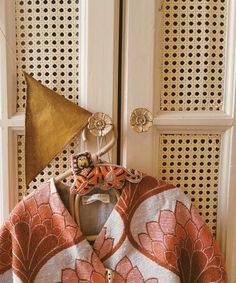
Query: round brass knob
(141, 120)
(100, 124)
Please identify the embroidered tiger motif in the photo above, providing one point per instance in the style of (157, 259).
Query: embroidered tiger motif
(105, 174)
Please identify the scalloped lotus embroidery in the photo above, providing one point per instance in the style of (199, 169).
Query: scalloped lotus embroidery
(103, 244)
(94, 272)
(5, 250)
(40, 228)
(85, 272)
(125, 272)
(184, 244)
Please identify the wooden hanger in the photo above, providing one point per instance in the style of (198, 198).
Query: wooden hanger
(95, 156)
(75, 198)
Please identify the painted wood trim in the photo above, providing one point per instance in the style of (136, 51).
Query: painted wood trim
(8, 103)
(3, 65)
(230, 243)
(195, 119)
(99, 36)
(13, 132)
(13, 118)
(224, 189)
(229, 86)
(4, 193)
(229, 173)
(11, 58)
(4, 174)
(137, 91)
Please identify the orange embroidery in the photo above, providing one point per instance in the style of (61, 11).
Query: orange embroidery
(85, 271)
(182, 242)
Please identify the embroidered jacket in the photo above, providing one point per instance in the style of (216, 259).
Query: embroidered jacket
(153, 235)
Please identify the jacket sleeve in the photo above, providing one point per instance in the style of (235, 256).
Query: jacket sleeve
(5, 256)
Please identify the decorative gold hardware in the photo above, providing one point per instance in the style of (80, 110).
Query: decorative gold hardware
(100, 124)
(141, 120)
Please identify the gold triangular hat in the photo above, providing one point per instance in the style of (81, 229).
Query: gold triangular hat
(51, 122)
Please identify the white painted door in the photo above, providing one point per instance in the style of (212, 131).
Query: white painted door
(179, 63)
(72, 48)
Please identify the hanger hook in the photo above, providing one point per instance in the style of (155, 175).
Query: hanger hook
(104, 149)
(95, 155)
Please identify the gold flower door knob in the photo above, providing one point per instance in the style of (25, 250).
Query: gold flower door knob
(141, 120)
(100, 124)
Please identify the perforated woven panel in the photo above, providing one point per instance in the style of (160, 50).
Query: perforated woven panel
(191, 162)
(193, 61)
(59, 165)
(47, 46)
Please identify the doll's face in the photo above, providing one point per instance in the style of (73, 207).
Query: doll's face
(82, 162)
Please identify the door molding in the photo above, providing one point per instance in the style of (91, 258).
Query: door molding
(99, 34)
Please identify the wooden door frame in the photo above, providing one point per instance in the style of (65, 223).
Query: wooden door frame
(11, 123)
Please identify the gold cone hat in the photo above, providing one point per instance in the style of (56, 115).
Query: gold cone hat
(51, 122)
